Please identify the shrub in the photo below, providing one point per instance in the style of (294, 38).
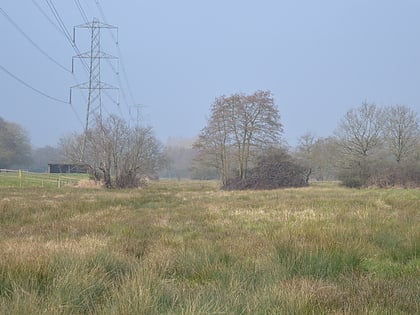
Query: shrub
(404, 175)
(351, 177)
(274, 169)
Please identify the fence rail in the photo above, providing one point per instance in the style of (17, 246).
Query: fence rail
(21, 178)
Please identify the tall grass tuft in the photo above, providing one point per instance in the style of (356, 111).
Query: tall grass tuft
(317, 263)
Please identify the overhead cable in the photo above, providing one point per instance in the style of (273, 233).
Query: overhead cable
(59, 20)
(101, 11)
(65, 31)
(82, 12)
(31, 41)
(31, 87)
(47, 17)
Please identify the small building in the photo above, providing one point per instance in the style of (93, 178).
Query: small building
(67, 168)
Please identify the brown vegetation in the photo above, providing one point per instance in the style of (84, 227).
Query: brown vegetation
(189, 248)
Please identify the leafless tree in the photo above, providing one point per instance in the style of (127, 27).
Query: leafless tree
(305, 153)
(255, 125)
(238, 126)
(360, 130)
(142, 157)
(115, 153)
(402, 130)
(318, 156)
(360, 134)
(325, 154)
(214, 141)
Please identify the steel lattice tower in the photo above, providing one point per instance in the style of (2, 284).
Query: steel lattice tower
(94, 86)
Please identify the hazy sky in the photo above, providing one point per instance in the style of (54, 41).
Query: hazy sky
(319, 58)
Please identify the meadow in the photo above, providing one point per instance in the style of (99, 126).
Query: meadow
(19, 178)
(187, 247)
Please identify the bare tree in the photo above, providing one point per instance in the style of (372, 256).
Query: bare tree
(325, 154)
(360, 135)
(238, 125)
(318, 156)
(402, 130)
(360, 130)
(142, 157)
(305, 153)
(255, 124)
(115, 153)
(214, 142)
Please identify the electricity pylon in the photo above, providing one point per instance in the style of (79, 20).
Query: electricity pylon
(94, 86)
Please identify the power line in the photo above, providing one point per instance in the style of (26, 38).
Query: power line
(82, 12)
(101, 11)
(47, 17)
(60, 26)
(94, 86)
(130, 92)
(98, 5)
(31, 87)
(21, 81)
(88, 6)
(59, 20)
(76, 114)
(42, 93)
(72, 41)
(32, 42)
(65, 31)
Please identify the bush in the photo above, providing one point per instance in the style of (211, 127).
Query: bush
(383, 174)
(275, 169)
(405, 175)
(351, 177)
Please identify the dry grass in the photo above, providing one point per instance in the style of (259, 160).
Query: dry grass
(179, 247)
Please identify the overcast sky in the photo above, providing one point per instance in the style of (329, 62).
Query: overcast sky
(319, 59)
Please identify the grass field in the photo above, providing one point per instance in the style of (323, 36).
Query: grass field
(19, 178)
(180, 247)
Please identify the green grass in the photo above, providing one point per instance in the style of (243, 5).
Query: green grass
(186, 247)
(24, 179)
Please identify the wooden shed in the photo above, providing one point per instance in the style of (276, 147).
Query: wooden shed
(67, 168)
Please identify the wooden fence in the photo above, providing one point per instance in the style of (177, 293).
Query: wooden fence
(20, 178)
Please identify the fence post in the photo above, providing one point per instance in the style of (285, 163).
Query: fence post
(20, 178)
